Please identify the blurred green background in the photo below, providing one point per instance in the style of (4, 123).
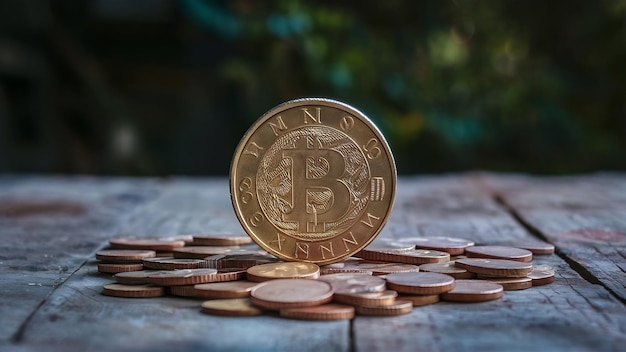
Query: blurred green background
(168, 87)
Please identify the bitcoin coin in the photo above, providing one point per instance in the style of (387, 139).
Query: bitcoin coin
(313, 180)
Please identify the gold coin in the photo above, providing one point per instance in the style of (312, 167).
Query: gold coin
(284, 270)
(323, 312)
(235, 307)
(313, 180)
(286, 293)
(132, 291)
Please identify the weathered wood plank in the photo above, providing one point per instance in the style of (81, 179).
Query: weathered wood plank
(164, 324)
(569, 315)
(583, 216)
(49, 226)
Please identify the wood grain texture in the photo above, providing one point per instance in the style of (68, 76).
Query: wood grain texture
(49, 226)
(572, 314)
(569, 315)
(583, 216)
(167, 323)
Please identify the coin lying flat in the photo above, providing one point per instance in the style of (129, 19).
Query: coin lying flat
(511, 283)
(541, 275)
(423, 283)
(536, 247)
(133, 277)
(230, 289)
(495, 267)
(183, 291)
(181, 277)
(499, 252)
(171, 263)
(415, 256)
(367, 299)
(473, 291)
(154, 244)
(132, 291)
(285, 293)
(447, 268)
(114, 268)
(451, 245)
(201, 252)
(369, 268)
(124, 255)
(225, 239)
(313, 180)
(420, 300)
(345, 283)
(239, 260)
(323, 312)
(284, 270)
(399, 307)
(235, 307)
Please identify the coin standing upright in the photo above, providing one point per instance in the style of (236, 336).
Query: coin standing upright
(313, 180)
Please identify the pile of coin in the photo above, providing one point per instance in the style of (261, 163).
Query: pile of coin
(387, 278)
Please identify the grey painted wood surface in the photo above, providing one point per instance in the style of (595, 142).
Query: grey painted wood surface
(54, 248)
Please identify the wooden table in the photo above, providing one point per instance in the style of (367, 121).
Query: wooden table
(51, 226)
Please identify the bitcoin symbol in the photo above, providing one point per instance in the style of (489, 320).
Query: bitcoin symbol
(316, 176)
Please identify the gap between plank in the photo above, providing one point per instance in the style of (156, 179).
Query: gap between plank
(577, 267)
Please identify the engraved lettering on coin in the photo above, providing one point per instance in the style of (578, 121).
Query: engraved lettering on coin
(313, 182)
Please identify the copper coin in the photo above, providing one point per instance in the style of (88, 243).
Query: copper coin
(183, 291)
(181, 277)
(420, 283)
(170, 263)
(536, 247)
(225, 275)
(154, 244)
(286, 293)
(399, 307)
(230, 289)
(473, 291)
(283, 270)
(345, 283)
(420, 300)
(495, 267)
(239, 260)
(372, 268)
(447, 268)
(415, 256)
(511, 283)
(234, 307)
(201, 252)
(313, 180)
(112, 268)
(451, 245)
(386, 244)
(500, 252)
(220, 240)
(133, 277)
(132, 291)
(124, 255)
(541, 275)
(367, 299)
(323, 312)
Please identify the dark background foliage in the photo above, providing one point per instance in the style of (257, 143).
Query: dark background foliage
(168, 87)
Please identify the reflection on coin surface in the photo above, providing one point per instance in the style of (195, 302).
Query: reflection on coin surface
(287, 293)
(313, 180)
(473, 291)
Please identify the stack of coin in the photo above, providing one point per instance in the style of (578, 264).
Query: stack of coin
(122, 260)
